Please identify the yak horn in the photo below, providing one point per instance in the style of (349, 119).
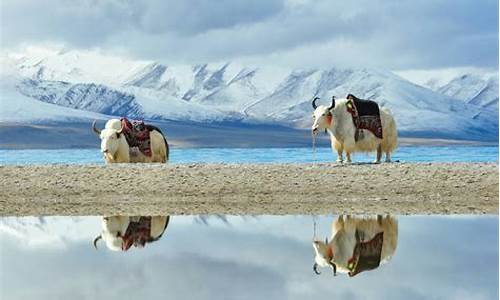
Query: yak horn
(315, 269)
(97, 239)
(314, 102)
(333, 103)
(97, 131)
(121, 129)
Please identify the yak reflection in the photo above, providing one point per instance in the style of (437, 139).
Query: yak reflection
(357, 244)
(119, 233)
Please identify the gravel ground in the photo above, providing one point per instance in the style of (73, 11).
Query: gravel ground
(426, 188)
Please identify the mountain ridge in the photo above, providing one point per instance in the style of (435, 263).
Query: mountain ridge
(90, 81)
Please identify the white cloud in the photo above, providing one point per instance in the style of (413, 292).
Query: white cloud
(390, 34)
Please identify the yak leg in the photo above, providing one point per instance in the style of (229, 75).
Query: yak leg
(348, 157)
(339, 156)
(336, 146)
(388, 157)
(379, 154)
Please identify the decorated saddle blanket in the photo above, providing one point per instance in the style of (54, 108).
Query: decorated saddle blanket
(365, 115)
(138, 232)
(137, 135)
(366, 255)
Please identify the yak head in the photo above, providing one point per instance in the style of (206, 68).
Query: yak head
(110, 138)
(113, 230)
(324, 256)
(322, 116)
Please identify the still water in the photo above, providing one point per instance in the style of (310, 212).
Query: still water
(258, 155)
(247, 257)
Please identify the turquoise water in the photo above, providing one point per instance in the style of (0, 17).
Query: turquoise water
(258, 155)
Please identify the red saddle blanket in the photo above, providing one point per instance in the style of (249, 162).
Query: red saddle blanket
(138, 233)
(365, 115)
(366, 255)
(137, 135)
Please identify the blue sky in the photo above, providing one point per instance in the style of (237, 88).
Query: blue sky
(245, 258)
(397, 35)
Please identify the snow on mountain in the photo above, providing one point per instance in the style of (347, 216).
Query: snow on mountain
(91, 81)
(16, 107)
(158, 105)
(472, 85)
(75, 66)
(473, 89)
(82, 96)
(238, 93)
(148, 76)
(416, 109)
(56, 83)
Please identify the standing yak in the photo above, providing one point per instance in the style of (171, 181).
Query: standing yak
(357, 244)
(356, 125)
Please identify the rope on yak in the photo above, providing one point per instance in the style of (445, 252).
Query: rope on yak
(314, 228)
(313, 148)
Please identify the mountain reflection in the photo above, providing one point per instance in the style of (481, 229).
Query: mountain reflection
(357, 244)
(119, 233)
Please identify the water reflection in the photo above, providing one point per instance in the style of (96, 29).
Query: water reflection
(248, 257)
(357, 244)
(119, 233)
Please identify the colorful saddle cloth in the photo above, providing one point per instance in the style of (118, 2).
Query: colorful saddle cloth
(365, 115)
(366, 255)
(138, 233)
(137, 135)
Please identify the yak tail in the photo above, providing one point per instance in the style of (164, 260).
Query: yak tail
(167, 149)
(390, 131)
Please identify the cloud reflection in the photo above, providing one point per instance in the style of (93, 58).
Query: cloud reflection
(264, 257)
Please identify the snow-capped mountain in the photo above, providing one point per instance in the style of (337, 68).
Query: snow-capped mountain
(18, 107)
(475, 89)
(82, 96)
(88, 81)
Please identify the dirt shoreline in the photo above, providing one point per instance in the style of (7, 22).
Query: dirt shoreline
(424, 188)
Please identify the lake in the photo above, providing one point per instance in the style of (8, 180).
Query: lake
(455, 153)
(245, 257)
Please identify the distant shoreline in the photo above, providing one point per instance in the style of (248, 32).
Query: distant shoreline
(411, 141)
(145, 189)
(405, 142)
(189, 135)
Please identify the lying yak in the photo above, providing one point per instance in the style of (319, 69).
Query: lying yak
(122, 142)
(356, 125)
(119, 233)
(357, 244)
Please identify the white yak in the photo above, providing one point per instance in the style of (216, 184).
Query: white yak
(118, 237)
(338, 122)
(115, 148)
(338, 252)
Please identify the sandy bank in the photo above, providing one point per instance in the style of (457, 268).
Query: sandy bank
(249, 189)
